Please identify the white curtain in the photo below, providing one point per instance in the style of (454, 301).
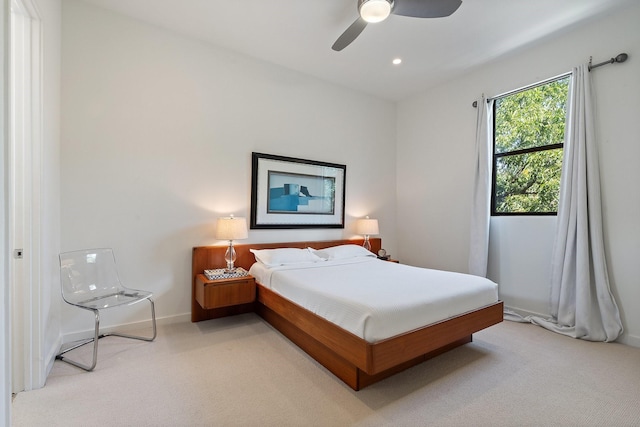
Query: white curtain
(582, 305)
(481, 202)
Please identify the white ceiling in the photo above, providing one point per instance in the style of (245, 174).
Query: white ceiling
(298, 35)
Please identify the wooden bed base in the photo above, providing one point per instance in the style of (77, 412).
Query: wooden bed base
(352, 359)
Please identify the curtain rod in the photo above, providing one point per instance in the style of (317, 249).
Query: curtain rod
(618, 59)
(527, 87)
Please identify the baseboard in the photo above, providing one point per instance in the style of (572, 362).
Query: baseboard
(524, 313)
(123, 327)
(51, 357)
(626, 339)
(630, 340)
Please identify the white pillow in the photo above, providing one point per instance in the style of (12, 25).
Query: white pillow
(342, 252)
(284, 256)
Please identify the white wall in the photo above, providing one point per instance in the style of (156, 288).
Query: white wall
(436, 132)
(157, 135)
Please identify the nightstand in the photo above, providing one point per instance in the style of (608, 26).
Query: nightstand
(212, 299)
(224, 292)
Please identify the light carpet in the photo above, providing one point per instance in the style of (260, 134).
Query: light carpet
(238, 371)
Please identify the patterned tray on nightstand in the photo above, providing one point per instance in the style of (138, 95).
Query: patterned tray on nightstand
(221, 273)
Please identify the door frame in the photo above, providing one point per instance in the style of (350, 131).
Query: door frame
(5, 299)
(24, 174)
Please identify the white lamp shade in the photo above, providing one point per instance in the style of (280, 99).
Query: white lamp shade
(375, 10)
(367, 226)
(231, 228)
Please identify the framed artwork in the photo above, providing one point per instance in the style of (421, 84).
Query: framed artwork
(287, 192)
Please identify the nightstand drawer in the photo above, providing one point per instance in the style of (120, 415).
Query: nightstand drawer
(224, 292)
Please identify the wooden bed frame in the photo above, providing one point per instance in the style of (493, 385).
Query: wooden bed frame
(352, 359)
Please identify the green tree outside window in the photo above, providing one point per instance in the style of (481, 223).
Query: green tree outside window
(528, 142)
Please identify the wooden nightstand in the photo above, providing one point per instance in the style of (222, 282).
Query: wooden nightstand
(223, 297)
(224, 292)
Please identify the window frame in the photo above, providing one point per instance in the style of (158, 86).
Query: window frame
(496, 156)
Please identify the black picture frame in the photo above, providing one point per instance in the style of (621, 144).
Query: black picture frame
(288, 192)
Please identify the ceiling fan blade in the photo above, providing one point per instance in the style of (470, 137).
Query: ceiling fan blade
(425, 8)
(350, 34)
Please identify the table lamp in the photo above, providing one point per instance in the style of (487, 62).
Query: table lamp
(231, 228)
(367, 227)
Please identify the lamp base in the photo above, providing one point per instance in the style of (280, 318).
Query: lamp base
(230, 258)
(367, 243)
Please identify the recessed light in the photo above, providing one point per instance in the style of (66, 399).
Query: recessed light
(397, 61)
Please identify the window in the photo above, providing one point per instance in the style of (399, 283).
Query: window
(527, 145)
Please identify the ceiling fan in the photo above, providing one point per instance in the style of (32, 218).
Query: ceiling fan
(372, 11)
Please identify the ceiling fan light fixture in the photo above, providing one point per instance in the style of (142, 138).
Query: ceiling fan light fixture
(374, 11)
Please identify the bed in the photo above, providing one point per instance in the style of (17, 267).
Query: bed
(357, 359)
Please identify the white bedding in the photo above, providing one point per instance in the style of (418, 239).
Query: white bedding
(376, 299)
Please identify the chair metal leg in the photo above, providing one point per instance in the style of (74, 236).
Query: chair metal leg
(138, 337)
(97, 336)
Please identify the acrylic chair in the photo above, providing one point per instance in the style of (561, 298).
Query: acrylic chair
(90, 281)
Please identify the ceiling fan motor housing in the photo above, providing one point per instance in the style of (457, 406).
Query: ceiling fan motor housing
(375, 10)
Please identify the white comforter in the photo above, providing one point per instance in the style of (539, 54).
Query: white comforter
(376, 299)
